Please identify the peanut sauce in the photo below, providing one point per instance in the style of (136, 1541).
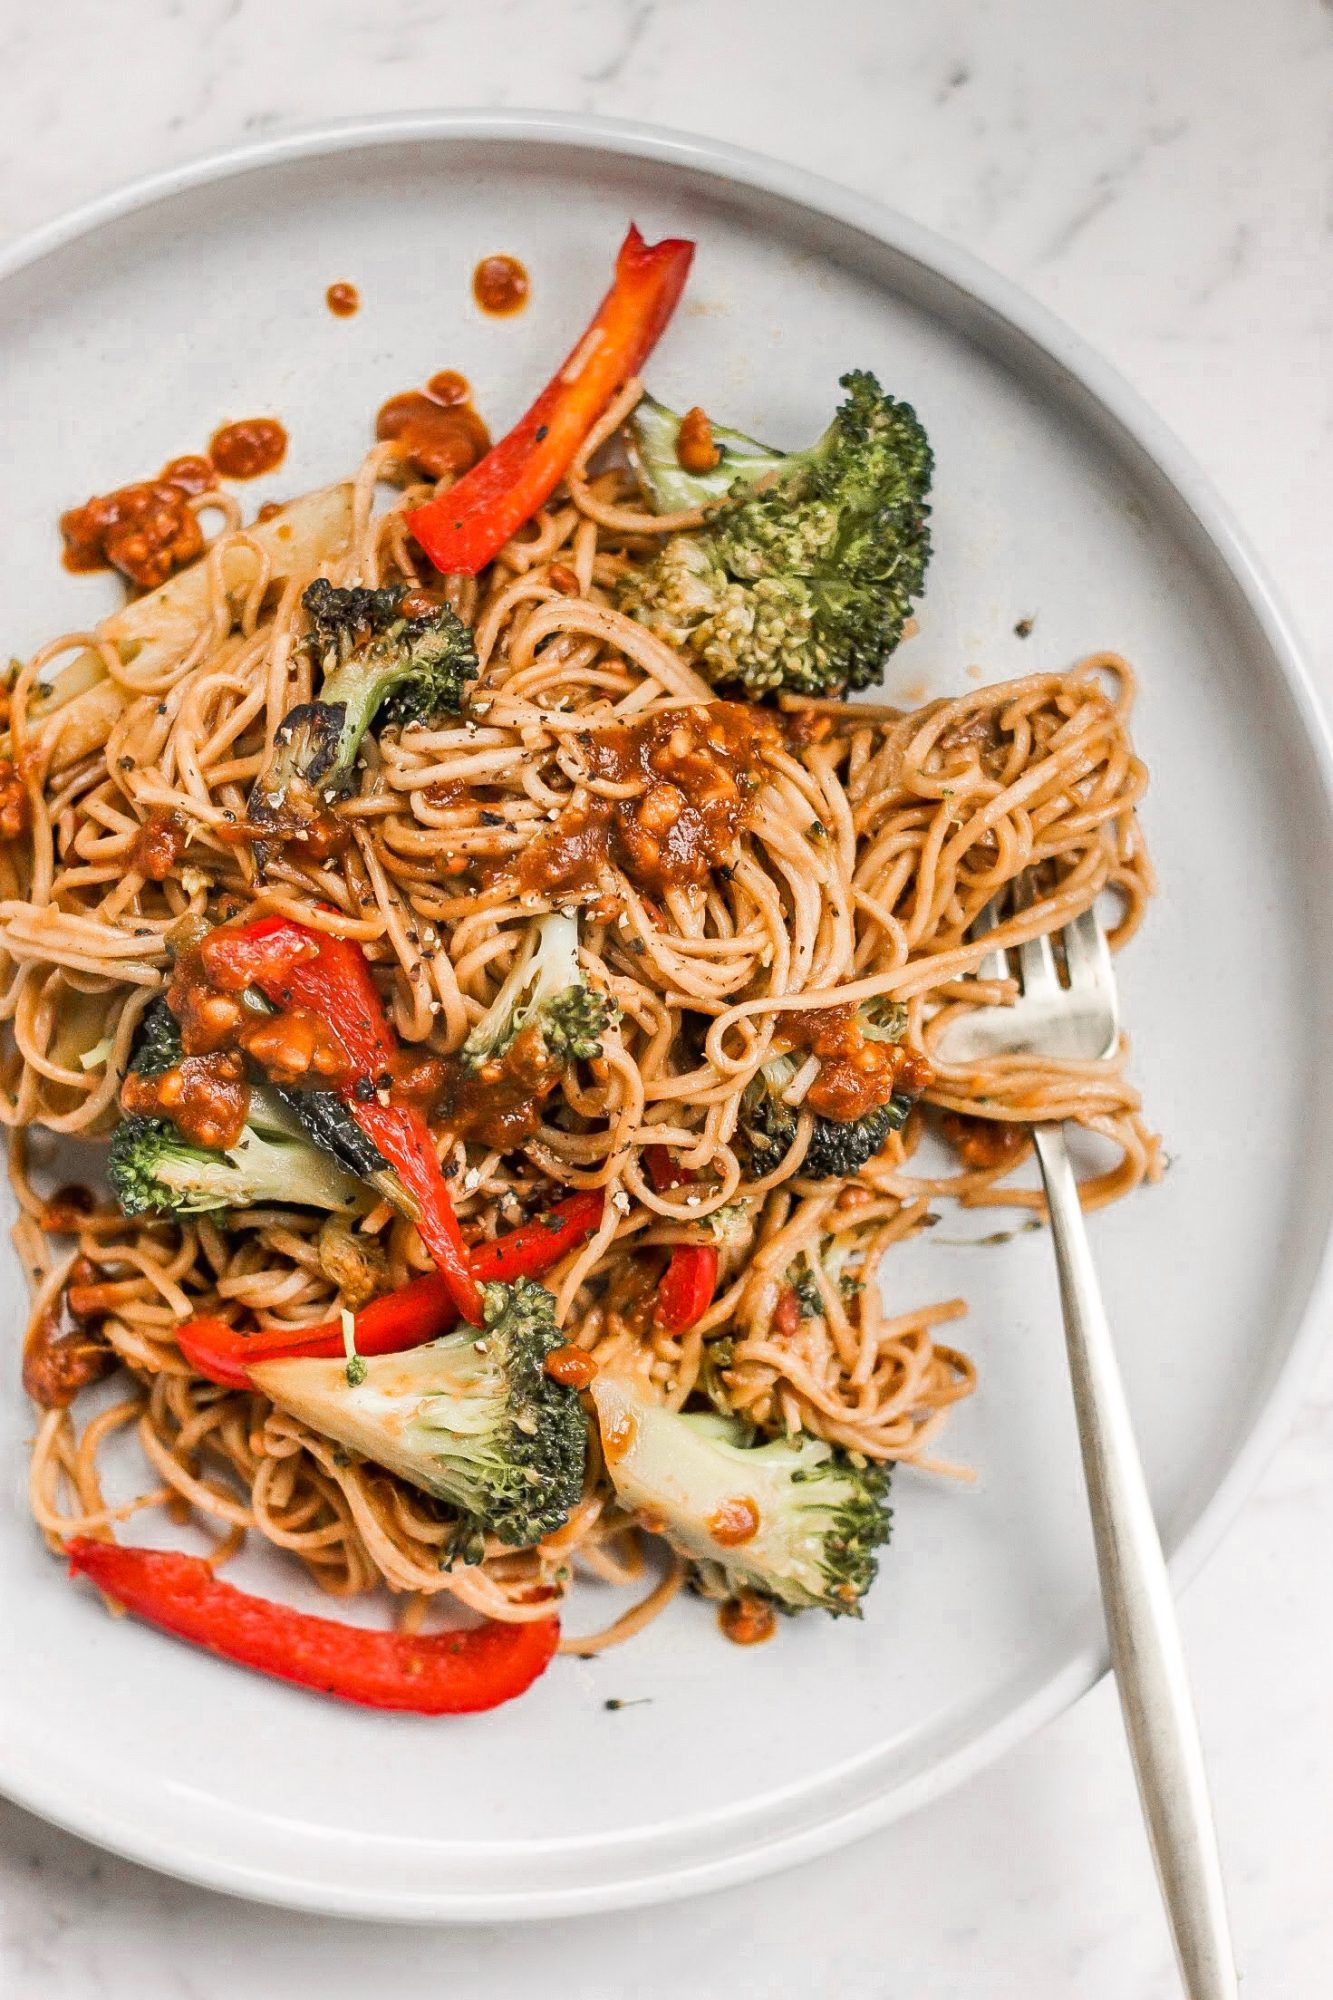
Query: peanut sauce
(983, 1143)
(246, 449)
(68, 1209)
(342, 299)
(437, 427)
(500, 286)
(735, 1522)
(13, 800)
(571, 1367)
(856, 1074)
(696, 771)
(499, 1104)
(56, 1366)
(696, 450)
(206, 1098)
(747, 1621)
(147, 529)
(618, 1434)
(159, 845)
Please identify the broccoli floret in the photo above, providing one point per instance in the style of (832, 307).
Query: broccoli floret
(376, 662)
(651, 437)
(278, 1121)
(802, 575)
(838, 1148)
(796, 1519)
(328, 1124)
(154, 1171)
(472, 1418)
(157, 1041)
(546, 989)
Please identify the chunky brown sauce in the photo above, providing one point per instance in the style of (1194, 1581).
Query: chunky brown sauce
(159, 844)
(856, 1074)
(747, 1621)
(247, 449)
(148, 529)
(501, 1103)
(694, 774)
(56, 1365)
(571, 1367)
(500, 286)
(206, 1097)
(983, 1143)
(342, 299)
(439, 431)
(696, 450)
(735, 1522)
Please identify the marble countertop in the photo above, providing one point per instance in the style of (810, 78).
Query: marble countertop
(1163, 178)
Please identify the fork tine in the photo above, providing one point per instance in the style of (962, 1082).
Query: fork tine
(994, 965)
(1036, 960)
(1087, 954)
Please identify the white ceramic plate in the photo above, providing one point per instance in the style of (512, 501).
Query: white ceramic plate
(126, 334)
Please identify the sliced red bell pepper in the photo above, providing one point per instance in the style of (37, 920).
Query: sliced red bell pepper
(435, 1673)
(464, 528)
(687, 1289)
(663, 1171)
(539, 1245)
(690, 1280)
(417, 1312)
(296, 967)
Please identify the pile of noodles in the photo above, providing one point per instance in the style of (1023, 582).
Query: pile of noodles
(869, 851)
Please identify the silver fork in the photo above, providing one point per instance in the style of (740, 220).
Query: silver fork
(1079, 1020)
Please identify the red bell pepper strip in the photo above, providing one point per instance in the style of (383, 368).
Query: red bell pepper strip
(690, 1280)
(417, 1312)
(539, 1245)
(687, 1289)
(435, 1673)
(296, 967)
(464, 528)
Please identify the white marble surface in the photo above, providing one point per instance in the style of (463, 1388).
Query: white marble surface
(1162, 175)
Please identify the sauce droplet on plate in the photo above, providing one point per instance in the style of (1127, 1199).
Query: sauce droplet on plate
(342, 299)
(747, 1621)
(437, 427)
(248, 448)
(500, 286)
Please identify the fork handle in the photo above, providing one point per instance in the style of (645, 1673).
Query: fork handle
(1140, 1617)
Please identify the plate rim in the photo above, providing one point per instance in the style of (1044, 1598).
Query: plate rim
(1114, 398)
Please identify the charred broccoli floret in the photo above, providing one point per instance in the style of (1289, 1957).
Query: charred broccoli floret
(157, 1041)
(796, 1520)
(377, 662)
(838, 1148)
(803, 573)
(545, 990)
(279, 1122)
(472, 1418)
(154, 1171)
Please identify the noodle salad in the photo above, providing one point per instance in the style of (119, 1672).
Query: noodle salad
(507, 978)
